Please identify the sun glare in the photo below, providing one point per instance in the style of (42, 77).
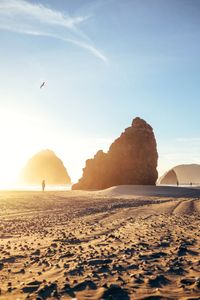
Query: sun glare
(13, 134)
(22, 136)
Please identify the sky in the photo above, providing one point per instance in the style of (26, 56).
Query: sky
(104, 63)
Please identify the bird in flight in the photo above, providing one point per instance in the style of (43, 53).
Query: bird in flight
(42, 84)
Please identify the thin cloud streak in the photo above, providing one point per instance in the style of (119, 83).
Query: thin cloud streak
(18, 8)
(39, 20)
(88, 47)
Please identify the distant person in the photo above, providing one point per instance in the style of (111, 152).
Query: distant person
(190, 183)
(43, 185)
(177, 183)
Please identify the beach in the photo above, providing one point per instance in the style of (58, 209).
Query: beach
(125, 242)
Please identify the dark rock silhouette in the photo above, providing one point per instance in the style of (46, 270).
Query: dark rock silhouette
(184, 174)
(131, 159)
(45, 165)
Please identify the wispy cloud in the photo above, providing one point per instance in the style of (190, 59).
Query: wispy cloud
(36, 19)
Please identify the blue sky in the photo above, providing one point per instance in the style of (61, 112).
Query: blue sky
(104, 63)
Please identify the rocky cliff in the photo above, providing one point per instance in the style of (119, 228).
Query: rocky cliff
(131, 159)
(45, 165)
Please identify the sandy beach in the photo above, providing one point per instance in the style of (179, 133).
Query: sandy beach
(126, 242)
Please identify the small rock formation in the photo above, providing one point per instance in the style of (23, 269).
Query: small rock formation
(184, 174)
(131, 159)
(45, 165)
(169, 178)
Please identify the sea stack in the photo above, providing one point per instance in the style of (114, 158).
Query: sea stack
(187, 174)
(169, 178)
(45, 165)
(131, 159)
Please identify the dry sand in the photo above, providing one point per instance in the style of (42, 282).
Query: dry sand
(126, 242)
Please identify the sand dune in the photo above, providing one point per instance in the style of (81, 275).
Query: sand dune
(126, 242)
(156, 191)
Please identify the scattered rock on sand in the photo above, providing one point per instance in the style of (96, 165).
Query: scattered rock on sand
(121, 246)
(115, 292)
(158, 281)
(47, 290)
(31, 287)
(85, 284)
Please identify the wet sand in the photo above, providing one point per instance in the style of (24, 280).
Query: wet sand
(122, 243)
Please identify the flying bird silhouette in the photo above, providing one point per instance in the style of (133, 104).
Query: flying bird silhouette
(42, 84)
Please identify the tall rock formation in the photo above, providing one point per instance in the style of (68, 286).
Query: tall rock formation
(45, 165)
(131, 159)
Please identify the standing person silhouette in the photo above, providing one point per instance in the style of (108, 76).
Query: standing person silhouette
(43, 185)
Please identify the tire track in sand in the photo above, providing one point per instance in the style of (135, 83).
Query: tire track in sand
(187, 207)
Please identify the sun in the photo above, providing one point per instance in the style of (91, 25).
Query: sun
(15, 133)
(23, 135)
